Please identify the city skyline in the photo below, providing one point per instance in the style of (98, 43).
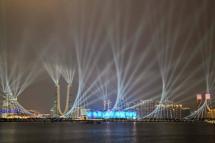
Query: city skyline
(137, 52)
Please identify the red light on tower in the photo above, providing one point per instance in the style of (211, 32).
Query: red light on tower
(207, 96)
(199, 97)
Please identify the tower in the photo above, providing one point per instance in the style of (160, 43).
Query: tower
(199, 100)
(107, 105)
(208, 97)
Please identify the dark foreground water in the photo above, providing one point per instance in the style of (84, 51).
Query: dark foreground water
(107, 133)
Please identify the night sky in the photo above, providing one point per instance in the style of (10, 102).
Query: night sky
(35, 31)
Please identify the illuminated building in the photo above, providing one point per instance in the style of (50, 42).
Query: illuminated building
(11, 107)
(211, 114)
(172, 111)
(146, 107)
(112, 115)
(54, 112)
(80, 113)
(168, 111)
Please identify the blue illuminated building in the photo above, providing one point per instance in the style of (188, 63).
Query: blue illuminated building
(112, 115)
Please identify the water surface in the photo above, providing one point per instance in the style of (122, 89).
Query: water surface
(107, 132)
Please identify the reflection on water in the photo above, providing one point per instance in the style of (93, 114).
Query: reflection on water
(107, 132)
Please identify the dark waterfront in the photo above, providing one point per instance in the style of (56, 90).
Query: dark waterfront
(107, 132)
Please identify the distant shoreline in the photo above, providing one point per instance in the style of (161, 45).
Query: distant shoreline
(99, 121)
